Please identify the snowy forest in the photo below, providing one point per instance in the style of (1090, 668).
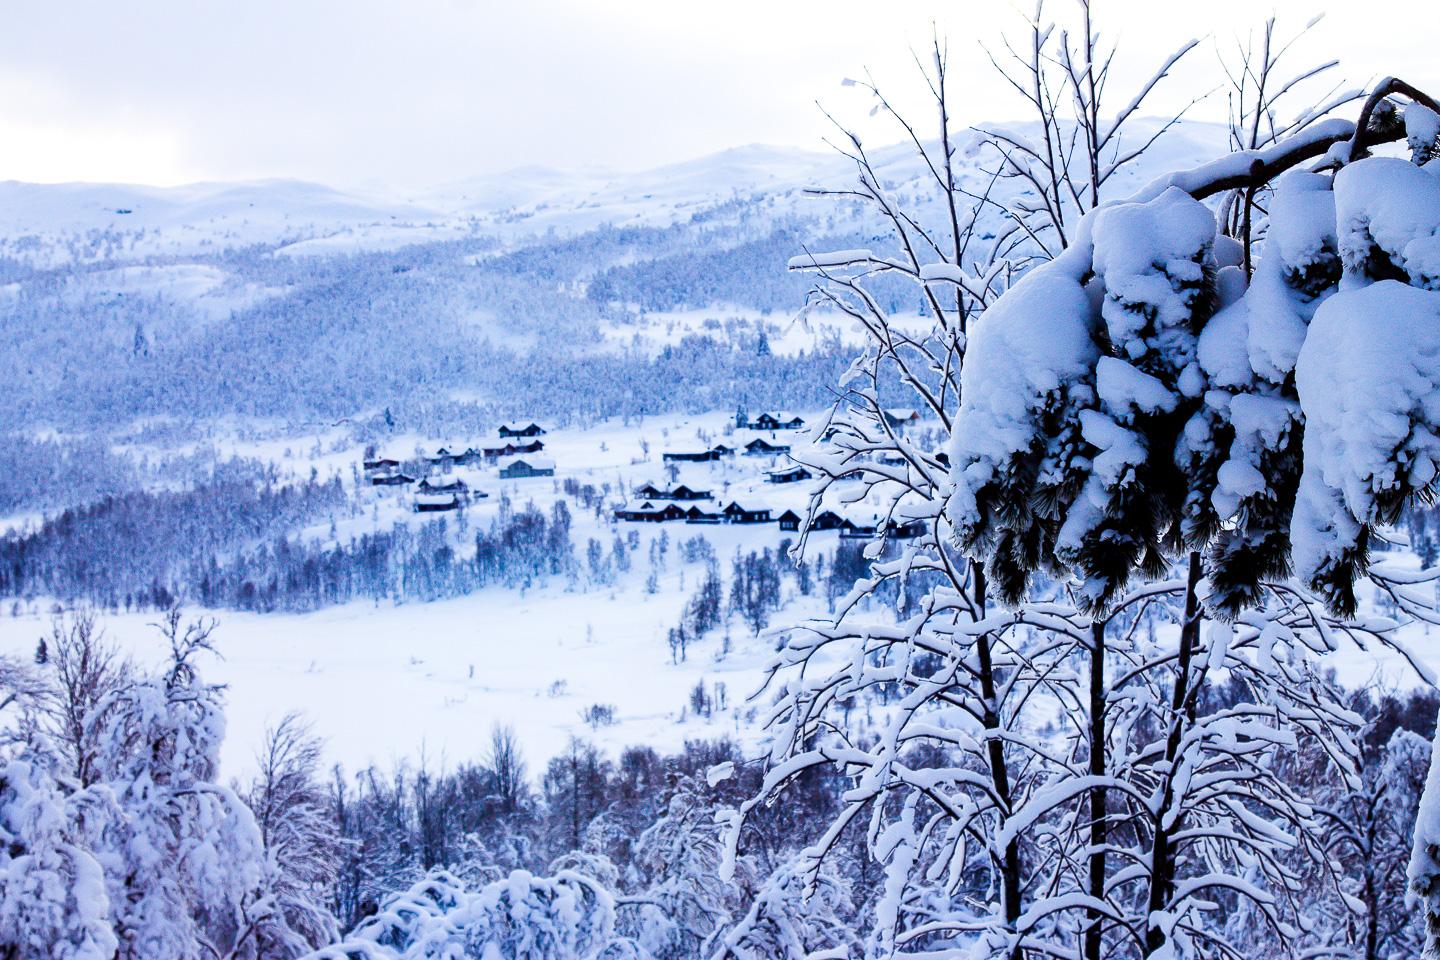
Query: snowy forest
(1148, 675)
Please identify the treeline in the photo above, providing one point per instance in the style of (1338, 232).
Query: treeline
(48, 473)
(239, 541)
(148, 548)
(232, 544)
(643, 825)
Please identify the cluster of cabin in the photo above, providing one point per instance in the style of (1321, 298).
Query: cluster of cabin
(517, 457)
(758, 447)
(687, 504)
(652, 506)
(652, 511)
(778, 420)
(519, 454)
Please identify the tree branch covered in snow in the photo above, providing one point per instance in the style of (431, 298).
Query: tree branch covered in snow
(1102, 767)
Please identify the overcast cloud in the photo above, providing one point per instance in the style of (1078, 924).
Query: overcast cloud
(428, 91)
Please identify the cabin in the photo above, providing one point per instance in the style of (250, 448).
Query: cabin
(908, 530)
(383, 463)
(703, 513)
(827, 520)
(436, 502)
(681, 492)
(760, 448)
(776, 421)
(789, 520)
(703, 456)
(901, 416)
(849, 529)
(469, 457)
(649, 512)
(788, 475)
(534, 446)
(491, 454)
(519, 468)
(525, 432)
(720, 450)
(391, 480)
(432, 485)
(443, 457)
(738, 512)
(684, 492)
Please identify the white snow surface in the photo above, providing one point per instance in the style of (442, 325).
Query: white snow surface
(1395, 205)
(1035, 341)
(1369, 383)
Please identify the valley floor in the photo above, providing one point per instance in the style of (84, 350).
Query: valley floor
(385, 683)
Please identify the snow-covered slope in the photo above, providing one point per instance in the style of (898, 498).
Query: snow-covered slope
(208, 300)
(44, 221)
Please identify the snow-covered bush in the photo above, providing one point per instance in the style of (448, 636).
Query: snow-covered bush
(53, 899)
(122, 843)
(521, 917)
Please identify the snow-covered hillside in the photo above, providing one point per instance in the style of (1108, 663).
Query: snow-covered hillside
(52, 224)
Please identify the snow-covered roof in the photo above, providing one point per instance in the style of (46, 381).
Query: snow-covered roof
(443, 481)
(534, 463)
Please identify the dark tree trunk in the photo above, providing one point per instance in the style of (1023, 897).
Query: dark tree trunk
(1010, 866)
(1182, 706)
(1093, 929)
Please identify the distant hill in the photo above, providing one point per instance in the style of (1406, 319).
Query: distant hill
(538, 290)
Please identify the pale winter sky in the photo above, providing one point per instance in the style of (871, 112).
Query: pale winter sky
(418, 92)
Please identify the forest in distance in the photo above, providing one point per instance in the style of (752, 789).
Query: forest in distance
(1000, 540)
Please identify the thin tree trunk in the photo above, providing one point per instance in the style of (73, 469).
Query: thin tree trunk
(1093, 940)
(1372, 892)
(999, 773)
(1182, 706)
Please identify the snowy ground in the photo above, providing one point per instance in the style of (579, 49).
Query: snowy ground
(387, 683)
(381, 683)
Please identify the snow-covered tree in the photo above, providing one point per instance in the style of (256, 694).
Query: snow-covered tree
(189, 864)
(522, 917)
(685, 905)
(794, 916)
(53, 898)
(116, 838)
(301, 839)
(1120, 469)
